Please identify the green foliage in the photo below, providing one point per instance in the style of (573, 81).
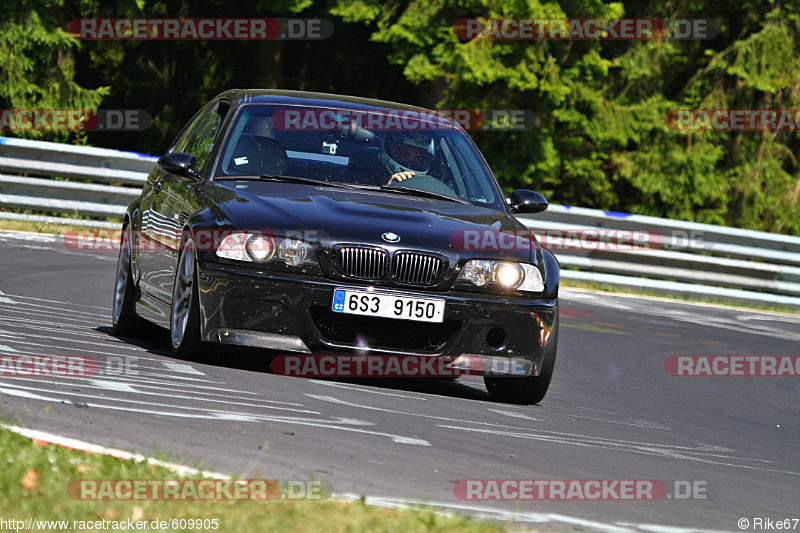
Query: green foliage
(601, 138)
(37, 66)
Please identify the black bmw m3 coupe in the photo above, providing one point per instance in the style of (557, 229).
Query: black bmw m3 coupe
(319, 224)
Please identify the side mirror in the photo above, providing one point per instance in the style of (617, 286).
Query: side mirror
(523, 201)
(179, 164)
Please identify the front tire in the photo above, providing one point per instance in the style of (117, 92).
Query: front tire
(184, 330)
(527, 390)
(124, 319)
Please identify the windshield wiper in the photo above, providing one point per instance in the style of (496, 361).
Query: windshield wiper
(289, 179)
(419, 192)
(298, 179)
(338, 184)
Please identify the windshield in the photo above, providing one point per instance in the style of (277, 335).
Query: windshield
(392, 149)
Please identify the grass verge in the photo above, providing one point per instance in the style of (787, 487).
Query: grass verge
(44, 227)
(35, 476)
(590, 285)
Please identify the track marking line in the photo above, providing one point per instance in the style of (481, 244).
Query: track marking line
(117, 386)
(610, 325)
(354, 388)
(331, 399)
(513, 414)
(655, 449)
(593, 328)
(82, 395)
(149, 383)
(6, 300)
(183, 368)
(491, 513)
(341, 424)
(190, 395)
(59, 309)
(70, 304)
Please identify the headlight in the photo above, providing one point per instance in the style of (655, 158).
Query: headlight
(509, 275)
(257, 248)
(233, 247)
(515, 276)
(478, 272)
(294, 252)
(260, 249)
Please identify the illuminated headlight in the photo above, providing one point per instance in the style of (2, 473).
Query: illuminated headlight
(294, 252)
(509, 275)
(260, 249)
(515, 276)
(256, 248)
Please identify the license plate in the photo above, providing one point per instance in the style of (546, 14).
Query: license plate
(387, 305)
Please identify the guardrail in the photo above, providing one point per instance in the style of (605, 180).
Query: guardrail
(676, 257)
(61, 178)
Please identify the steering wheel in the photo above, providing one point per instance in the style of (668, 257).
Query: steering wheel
(426, 183)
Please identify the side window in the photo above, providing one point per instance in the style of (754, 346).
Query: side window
(479, 189)
(200, 142)
(188, 129)
(450, 167)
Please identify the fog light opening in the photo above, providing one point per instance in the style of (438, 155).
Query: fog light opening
(496, 338)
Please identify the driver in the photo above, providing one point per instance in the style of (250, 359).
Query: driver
(406, 154)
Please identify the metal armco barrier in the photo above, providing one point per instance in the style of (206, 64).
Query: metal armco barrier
(688, 258)
(62, 178)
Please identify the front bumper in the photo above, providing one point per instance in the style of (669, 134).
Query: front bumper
(292, 313)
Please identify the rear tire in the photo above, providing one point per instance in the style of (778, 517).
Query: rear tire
(124, 319)
(527, 390)
(184, 331)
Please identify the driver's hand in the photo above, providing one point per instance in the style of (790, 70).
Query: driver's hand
(400, 176)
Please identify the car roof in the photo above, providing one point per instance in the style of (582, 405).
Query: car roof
(276, 96)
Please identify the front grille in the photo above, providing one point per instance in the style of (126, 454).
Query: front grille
(364, 263)
(410, 267)
(386, 333)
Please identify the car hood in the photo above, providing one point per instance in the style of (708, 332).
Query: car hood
(332, 215)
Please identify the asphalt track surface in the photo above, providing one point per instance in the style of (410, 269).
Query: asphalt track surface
(612, 411)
